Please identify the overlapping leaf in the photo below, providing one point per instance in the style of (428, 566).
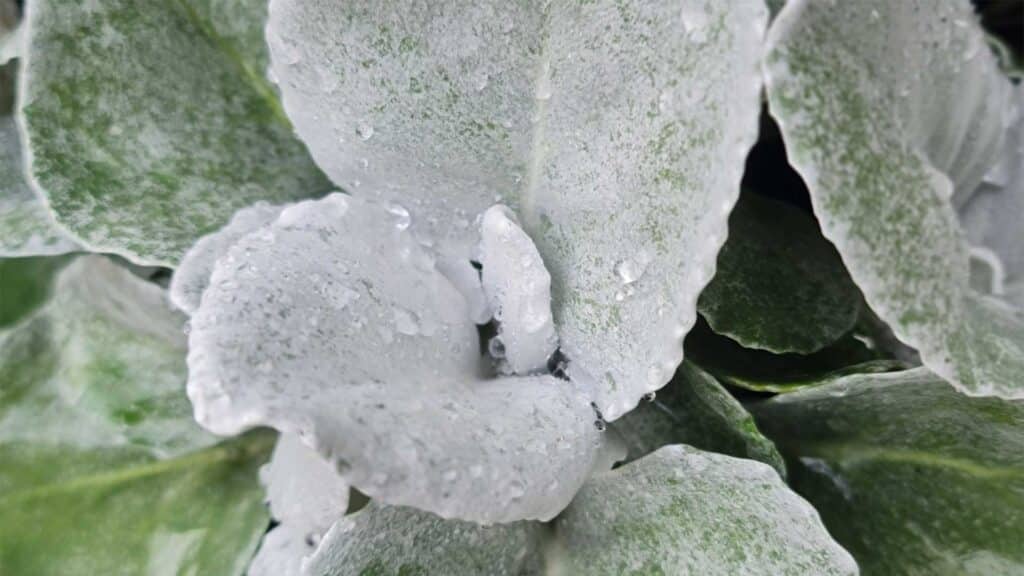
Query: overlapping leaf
(150, 124)
(332, 322)
(893, 112)
(616, 130)
(104, 471)
(909, 475)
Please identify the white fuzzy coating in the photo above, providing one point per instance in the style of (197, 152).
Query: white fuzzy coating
(616, 130)
(893, 112)
(306, 496)
(518, 288)
(680, 510)
(193, 273)
(334, 324)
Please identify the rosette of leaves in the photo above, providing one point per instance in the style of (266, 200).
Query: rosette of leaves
(473, 352)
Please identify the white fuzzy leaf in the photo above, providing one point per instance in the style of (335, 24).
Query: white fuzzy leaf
(616, 130)
(892, 112)
(518, 288)
(333, 322)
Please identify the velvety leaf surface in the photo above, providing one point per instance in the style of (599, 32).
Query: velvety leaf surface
(386, 541)
(911, 476)
(892, 112)
(306, 496)
(683, 511)
(333, 323)
(779, 285)
(25, 225)
(694, 409)
(104, 471)
(615, 129)
(150, 124)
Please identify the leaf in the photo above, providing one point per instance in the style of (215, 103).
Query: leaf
(615, 129)
(104, 470)
(694, 409)
(518, 288)
(909, 475)
(383, 540)
(992, 216)
(193, 274)
(333, 323)
(306, 496)
(892, 112)
(192, 132)
(25, 285)
(683, 511)
(25, 226)
(779, 286)
(761, 371)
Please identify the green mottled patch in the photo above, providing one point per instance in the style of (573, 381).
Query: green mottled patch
(779, 285)
(863, 93)
(909, 475)
(25, 285)
(149, 124)
(397, 541)
(683, 511)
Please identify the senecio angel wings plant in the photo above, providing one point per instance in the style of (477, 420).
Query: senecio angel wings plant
(412, 279)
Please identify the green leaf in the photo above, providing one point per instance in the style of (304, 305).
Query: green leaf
(25, 285)
(104, 470)
(779, 285)
(397, 541)
(25, 225)
(761, 371)
(694, 409)
(616, 129)
(892, 112)
(684, 511)
(909, 475)
(150, 124)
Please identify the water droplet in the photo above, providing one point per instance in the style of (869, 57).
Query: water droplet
(695, 23)
(600, 425)
(630, 270)
(650, 396)
(450, 475)
(364, 131)
(402, 218)
(516, 490)
(875, 15)
(406, 322)
(665, 101)
(496, 348)
(364, 163)
(476, 470)
(187, 327)
(482, 81)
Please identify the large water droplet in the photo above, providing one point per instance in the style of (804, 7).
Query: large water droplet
(496, 348)
(406, 322)
(402, 218)
(631, 269)
(364, 131)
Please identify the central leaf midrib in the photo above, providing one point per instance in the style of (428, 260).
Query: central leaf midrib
(853, 454)
(249, 77)
(232, 451)
(528, 196)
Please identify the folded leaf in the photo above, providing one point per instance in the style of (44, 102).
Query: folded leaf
(779, 286)
(683, 511)
(104, 471)
(909, 475)
(892, 112)
(306, 496)
(149, 125)
(615, 129)
(333, 323)
(694, 409)
(992, 216)
(396, 540)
